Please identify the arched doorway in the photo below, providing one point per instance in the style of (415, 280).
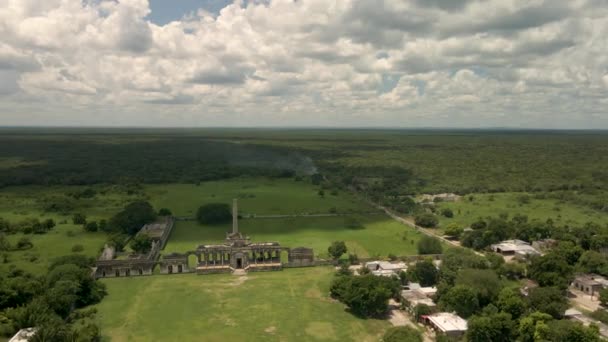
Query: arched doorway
(170, 269)
(179, 268)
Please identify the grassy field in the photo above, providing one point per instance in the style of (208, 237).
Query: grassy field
(379, 236)
(483, 205)
(291, 305)
(58, 242)
(256, 196)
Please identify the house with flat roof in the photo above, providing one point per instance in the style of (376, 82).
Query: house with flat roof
(446, 323)
(590, 284)
(385, 268)
(516, 248)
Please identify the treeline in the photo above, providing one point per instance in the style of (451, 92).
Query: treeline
(69, 160)
(54, 302)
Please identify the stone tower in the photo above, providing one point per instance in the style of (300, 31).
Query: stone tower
(235, 217)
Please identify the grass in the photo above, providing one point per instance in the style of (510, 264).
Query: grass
(291, 305)
(259, 196)
(379, 236)
(483, 205)
(58, 242)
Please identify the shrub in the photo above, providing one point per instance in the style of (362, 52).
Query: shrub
(214, 213)
(91, 226)
(447, 212)
(24, 243)
(164, 212)
(79, 218)
(426, 220)
(77, 248)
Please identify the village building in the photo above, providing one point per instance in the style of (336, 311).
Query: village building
(515, 248)
(413, 295)
(114, 264)
(385, 268)
(590, 284)
(446, 323)
(236, 253)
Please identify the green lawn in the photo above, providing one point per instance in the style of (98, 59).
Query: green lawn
(256, 196)
(483, 205)
(379, 237)
(291, 305)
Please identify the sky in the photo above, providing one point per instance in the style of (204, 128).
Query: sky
(305, 63)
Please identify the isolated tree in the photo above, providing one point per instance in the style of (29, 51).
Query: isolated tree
(214, 213)
(133, 217)
(337, 249)
(426, 220)
(368, 295)
(402, 334)
(79, 218)
(141, 243)
(429, 245)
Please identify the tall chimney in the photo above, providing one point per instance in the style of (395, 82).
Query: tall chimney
(235, 217)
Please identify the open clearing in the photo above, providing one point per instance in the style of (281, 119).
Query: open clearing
(484, 205)
(291, 305)
(260, 196)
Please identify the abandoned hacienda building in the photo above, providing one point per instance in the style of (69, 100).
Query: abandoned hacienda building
(236, 253)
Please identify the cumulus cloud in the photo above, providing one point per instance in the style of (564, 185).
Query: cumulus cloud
(537, 63)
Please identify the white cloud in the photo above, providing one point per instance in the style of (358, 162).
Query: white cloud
(309, 62)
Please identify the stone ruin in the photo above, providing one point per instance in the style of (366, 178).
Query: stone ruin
(236, 253)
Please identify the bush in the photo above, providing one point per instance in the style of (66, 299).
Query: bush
(164, 212)
(447, 212)
(24, 243)
(429, 245)
(454, 230)
(77, 248)
(79, 219)
(426, 220)
(214, 213)
(91, 226)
